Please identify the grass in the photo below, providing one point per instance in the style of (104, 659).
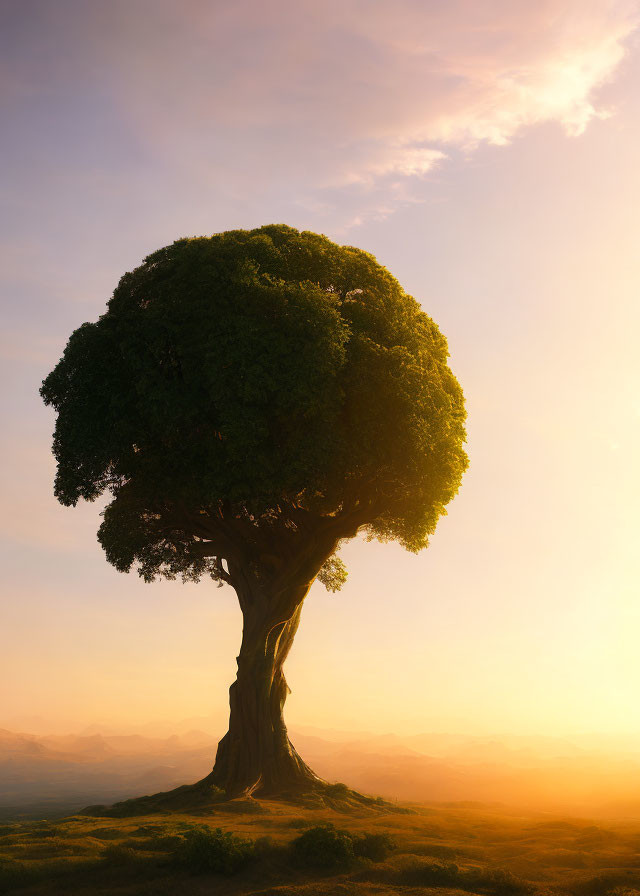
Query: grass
(282, 851)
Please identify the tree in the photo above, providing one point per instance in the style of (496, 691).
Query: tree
(249, 400)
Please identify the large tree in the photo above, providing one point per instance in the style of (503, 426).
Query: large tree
(249, 400)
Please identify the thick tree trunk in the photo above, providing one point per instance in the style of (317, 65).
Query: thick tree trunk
(256, 755)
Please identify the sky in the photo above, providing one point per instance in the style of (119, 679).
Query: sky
(487, 155)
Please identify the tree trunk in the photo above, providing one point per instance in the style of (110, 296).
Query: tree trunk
(256, 755)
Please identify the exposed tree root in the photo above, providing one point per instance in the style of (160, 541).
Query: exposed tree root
(205, 798)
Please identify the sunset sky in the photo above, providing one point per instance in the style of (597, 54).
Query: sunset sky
(489, 156)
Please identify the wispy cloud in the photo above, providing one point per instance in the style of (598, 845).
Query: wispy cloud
(328, 95)
(302, 98)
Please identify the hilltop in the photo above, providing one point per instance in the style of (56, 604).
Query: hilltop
(447, 850)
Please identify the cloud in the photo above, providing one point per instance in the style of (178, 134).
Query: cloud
(299, 99)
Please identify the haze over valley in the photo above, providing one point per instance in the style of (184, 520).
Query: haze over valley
(56, 774)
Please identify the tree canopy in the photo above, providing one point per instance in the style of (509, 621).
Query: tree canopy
(244, 386)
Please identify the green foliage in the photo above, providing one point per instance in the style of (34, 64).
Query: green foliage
(492, 881)
(252, 387)
(375, 847)
(431, 874)
(324, 848)
(333, 574)
(328, 848)
(219, 851)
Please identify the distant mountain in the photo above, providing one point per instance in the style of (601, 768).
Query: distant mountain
(66, 772)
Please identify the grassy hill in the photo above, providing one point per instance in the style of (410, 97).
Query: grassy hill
(444, 849)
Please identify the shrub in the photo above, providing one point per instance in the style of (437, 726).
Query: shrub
(203, 849)
(499, 883)
(431, 874)
(328, 848)
(324, 848)
(493, 882)
(374, 846)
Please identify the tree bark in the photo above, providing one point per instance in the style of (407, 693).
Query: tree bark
(256, 755)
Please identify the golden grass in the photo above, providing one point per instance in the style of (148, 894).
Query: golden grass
(493, 851)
